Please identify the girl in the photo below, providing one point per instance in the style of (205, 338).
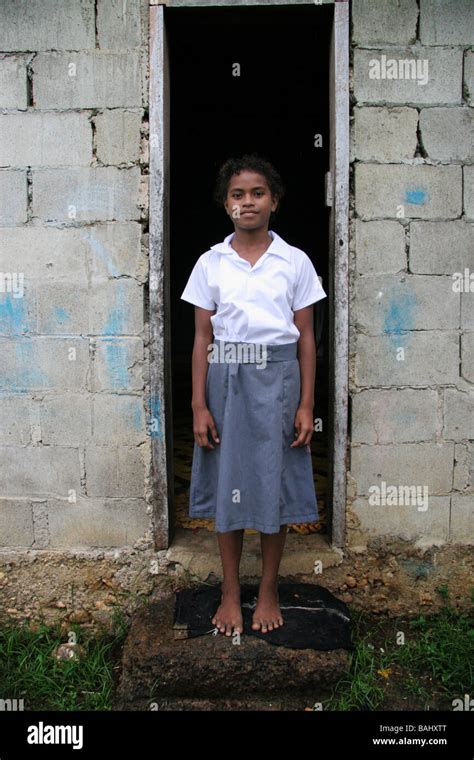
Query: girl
(254, 293)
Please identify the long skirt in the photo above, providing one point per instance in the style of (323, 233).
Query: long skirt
(253, 478)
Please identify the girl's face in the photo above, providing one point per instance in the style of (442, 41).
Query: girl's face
(249, 201)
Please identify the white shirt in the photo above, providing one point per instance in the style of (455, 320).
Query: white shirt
(254, 304)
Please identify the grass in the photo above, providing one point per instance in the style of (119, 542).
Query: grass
(29, 671)
(408, 664)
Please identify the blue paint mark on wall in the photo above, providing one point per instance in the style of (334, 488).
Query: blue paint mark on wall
(416, 197)
(23, 374)
(399, 316)
(61, 315)
(13, 316)
(116, 357)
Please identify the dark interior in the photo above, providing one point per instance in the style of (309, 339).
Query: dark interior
(275, 107)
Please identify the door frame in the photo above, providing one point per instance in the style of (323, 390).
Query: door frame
(160, 392)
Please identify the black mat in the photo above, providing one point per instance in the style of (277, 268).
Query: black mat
(313, 617)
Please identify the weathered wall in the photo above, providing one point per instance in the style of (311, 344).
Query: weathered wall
(412, 329)
(74, 454)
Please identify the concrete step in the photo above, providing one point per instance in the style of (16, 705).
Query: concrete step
(160, 666)
(198, 553)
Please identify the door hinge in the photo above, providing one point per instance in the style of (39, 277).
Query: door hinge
(329, 194)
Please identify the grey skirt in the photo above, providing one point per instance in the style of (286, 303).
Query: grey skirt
(252, 478)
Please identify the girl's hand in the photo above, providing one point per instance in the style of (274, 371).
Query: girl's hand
(304, 426)
(202, 421)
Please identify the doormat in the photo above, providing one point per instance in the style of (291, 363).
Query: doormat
(313, 617)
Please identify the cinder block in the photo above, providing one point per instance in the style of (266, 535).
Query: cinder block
(420, 464)
(50, 254)
(464, 466)
(57, 24)
(391, 21)
(13, 82)
(14, 420)
(448, 133)
(66, 420)
(45, 139)
(87, 80)
(118, 136)
(13, 197)
(376, 362)
(118, 420)
(39, 471)
(101, 194)
(117, 471)
(443, 23)
(116, 308)
(97, 522)
(380, 247)
(424, 192)
(458, 413)
(394, 416)
(467, 306)
(43, 363)
(436, 79)
(441, 247)
(117, 365)
(115, 250)
(118, 24)
(469, 75)
(395, 303)
(45, 253)
(468, 187)
(385, 134)
(406, 521)
(462, 518)
(16, 523)
(467, 364)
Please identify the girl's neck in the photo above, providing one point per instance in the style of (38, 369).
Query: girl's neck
(250, 240)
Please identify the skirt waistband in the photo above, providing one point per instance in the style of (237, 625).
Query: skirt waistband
(226, 351)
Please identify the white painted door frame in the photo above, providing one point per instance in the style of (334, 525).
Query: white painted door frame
(160, 408)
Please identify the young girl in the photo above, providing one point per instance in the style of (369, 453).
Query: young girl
(254, 394)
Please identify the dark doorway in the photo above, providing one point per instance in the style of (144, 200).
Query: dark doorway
(277, 107)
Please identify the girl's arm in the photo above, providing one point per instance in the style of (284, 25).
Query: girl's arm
(203, 335)
(306, 355)
(303, 319)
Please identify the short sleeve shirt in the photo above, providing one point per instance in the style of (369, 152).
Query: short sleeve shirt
(254, 304)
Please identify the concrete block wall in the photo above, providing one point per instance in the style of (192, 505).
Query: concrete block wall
(412, 233)
(74, 450)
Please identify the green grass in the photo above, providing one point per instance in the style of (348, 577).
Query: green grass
(28, 670)
(432, 667)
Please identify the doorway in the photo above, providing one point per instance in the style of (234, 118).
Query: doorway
(235, 80)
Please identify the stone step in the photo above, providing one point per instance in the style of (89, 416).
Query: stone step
(158, 665)
(197, 551)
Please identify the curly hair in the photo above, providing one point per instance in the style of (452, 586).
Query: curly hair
(249, 162)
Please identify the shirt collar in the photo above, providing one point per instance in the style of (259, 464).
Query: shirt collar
(278, 246)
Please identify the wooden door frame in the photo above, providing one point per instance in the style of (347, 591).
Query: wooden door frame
(160, 395)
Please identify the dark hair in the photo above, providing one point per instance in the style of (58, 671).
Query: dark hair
(249, 162)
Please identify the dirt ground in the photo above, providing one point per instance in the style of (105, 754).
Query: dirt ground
(390, 578)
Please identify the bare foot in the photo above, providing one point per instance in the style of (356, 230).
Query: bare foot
(267, 615)
(229, 613)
